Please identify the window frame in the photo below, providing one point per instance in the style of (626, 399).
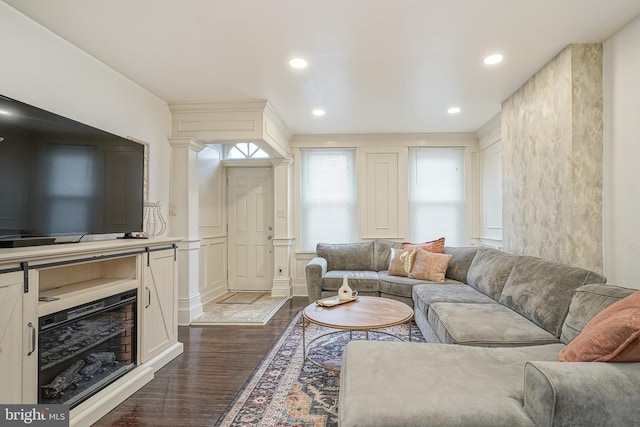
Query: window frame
(307, 243)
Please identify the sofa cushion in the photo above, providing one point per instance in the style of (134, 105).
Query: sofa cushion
(361, 281)
(490, 270)
(409, 384)
(426, 294)
(613, 335)
(487, 325)
(587, 301)
(541, 290)
(382, 253)
(402, 286)
(429, 266)
(460, 262)
(347, 256)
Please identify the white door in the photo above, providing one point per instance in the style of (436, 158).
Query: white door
(250, 218)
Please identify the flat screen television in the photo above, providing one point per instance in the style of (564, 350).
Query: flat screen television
(61, 178)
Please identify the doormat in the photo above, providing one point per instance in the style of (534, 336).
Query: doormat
(257, 312)
(286, 391)
(239, 297)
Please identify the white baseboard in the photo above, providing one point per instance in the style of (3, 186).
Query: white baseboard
(165, 357)
(300, 290)
(189, 308)
(211, 294)
(98, 405)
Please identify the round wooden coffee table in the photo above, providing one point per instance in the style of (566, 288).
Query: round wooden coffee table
(364, 314)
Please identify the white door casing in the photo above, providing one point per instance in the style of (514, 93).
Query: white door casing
(250, 220)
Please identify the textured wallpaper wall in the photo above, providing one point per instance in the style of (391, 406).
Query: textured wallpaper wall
(552, 161)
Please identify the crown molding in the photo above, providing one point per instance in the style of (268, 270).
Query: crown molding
(226, 107)
(187, 143)
(385, 139)
(490, 132)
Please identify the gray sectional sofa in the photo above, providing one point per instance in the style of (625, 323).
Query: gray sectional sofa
(366, 266)
(410, 384)
(495, 330)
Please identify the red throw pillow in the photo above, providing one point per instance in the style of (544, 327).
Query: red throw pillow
(613, 335)
(435, 246)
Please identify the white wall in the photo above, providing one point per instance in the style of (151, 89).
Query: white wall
(212, 223)
(39, 68)
(388, 218)
(621, 197)
(490, 183)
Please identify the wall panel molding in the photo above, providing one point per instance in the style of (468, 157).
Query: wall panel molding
(231, 122)
(382, 192)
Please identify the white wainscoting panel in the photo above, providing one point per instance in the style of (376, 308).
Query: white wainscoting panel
(492, 192)
(213, 268)
(383, 186)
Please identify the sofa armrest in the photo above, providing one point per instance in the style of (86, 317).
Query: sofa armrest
(315, 271)
(582, 393)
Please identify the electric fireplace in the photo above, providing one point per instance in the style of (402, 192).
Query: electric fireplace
(85, 348)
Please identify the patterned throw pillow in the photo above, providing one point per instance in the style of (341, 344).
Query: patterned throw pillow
(435, 246)
(408, 261)
(430, 266)
(397, 262)
(613, 335)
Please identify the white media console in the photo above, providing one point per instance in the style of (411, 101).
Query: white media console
(41, 280)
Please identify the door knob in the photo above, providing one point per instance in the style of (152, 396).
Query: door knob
(269, 228)
(269, 237)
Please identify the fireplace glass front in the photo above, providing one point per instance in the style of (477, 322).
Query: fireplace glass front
(86, 348)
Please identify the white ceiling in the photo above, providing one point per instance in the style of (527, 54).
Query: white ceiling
(375, 66)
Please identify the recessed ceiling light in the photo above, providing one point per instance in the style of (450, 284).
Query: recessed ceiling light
(454, 110)
(493, 59)
(318, 112)
(298, 63)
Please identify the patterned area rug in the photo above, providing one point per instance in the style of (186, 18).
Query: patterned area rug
(240, 297)
(240, 308)
(286, 391)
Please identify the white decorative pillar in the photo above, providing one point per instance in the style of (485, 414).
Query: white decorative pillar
(283, 228)
(184, 221)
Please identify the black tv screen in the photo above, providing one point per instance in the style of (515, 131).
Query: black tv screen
(59, 177)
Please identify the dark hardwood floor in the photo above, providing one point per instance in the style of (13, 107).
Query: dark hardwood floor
(196, 387)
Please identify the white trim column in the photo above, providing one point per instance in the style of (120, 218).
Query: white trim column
(283, 228)
(184, 222)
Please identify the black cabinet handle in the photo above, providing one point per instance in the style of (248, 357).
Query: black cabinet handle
(33, 338)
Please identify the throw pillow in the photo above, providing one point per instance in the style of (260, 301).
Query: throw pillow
(613, 335)
(397, 261)
(408, 261)
(435, 246)
(430, 266)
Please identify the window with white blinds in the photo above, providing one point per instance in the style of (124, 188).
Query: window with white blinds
(437, 194)
(327, 197)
